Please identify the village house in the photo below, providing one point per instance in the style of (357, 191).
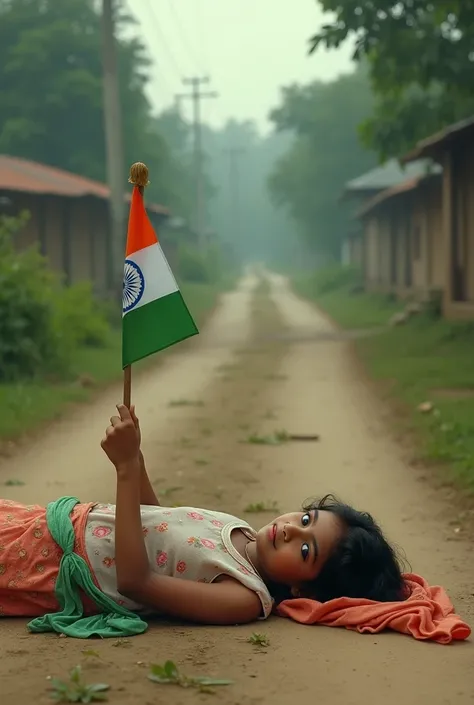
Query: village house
(453, 150)
(402, 236)
(362, 189)
(397, 243)
(69, 218)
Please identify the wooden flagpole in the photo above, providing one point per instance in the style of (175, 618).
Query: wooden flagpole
(139, 178)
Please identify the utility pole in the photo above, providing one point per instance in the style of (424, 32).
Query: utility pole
(114, 145)
(196, 96)
(234, 187)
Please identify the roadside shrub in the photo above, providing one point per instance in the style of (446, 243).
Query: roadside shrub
(336, 277)
(193, 265)
(79, 319)
(41, 323)
(434, 305)
(28, 339)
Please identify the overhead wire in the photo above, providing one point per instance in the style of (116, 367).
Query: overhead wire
(156, 24)
(184, 37)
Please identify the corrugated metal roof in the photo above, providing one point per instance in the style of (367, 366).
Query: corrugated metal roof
(388, 175)
(30, 177)
(404, 187)
(425, 147)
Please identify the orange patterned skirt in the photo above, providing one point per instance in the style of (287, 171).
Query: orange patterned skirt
(29, 559)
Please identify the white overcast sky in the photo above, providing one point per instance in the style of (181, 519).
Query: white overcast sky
(249, 48)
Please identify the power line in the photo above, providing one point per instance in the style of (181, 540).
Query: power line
(177, 67)
(188, 46)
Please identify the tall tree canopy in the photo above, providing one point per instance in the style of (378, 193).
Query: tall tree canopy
(421, 63)
(51, 94)
(308, 179)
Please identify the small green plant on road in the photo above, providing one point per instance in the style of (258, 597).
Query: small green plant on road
(75, 690)
(168, 674)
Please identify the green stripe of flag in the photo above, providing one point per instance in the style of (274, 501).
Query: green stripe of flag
(155, 326)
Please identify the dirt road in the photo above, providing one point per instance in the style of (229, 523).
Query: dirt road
(199, 412)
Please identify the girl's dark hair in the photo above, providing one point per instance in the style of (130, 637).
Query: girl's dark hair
(363, 564)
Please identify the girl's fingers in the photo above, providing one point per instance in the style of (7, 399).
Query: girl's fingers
(115, 420)
(133, 415)
(109, 431)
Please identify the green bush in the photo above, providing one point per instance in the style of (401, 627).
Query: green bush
(41, 323)
(79, 318)
(193, 266)
(28, 340)
(337, 277)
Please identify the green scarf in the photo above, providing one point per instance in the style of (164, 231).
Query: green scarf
(74, 573)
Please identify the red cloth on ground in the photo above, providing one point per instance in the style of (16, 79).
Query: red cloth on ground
(427, 614)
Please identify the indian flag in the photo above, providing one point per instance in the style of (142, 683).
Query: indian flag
(154, 313)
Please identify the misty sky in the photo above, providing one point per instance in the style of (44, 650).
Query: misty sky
(248, 47)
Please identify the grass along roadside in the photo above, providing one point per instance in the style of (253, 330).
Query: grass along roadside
(425, 360)
(27, 405)
(346, 308)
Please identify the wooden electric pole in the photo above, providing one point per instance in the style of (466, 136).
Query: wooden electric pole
(114, 146)
(196, 96)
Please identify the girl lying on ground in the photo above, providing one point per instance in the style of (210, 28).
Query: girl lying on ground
(194, 564)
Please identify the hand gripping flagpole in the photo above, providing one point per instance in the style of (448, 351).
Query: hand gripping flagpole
(139, 178)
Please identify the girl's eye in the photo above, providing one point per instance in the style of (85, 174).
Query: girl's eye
(305, 551)
(306, 519)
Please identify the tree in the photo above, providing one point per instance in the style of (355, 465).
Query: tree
(51, 88)
(309, 178)
(420, 58)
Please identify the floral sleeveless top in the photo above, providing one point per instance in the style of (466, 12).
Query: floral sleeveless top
(181, 542)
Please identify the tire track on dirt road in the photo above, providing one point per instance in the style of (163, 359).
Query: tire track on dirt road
(242, 381)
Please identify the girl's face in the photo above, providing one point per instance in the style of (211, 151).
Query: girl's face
(293, 548)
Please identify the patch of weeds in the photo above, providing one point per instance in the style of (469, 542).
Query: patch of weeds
(122, 643)
(201, 461)
(206, 431)
(167, 491)
(261, 507)
(269, 415)
(90, 653)
(168, 674)
(14, 483)
(276, 438)
(185, 402)
(76, 691)
(261, 640)
(275, 377)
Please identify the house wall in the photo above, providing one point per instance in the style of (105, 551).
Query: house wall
(404, 243)
(458, 229)
(356, 250)
(371, 250)
(433, 196)
(427, 239)
(71, 233)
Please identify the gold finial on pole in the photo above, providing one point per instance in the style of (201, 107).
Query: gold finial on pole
(138, 175)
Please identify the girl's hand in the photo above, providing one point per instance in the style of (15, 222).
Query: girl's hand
(136, 422)
(122, 442)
